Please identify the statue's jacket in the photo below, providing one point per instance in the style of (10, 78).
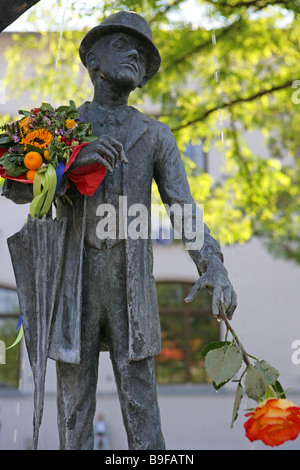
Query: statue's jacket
(152, 153)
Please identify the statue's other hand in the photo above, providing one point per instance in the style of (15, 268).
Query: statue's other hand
(17, 192)
(216, 280)
(105, 150)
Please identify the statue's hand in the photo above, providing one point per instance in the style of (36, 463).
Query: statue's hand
(105, 150)
(216, 280)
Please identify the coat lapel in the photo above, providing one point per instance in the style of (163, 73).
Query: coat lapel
(138, 126)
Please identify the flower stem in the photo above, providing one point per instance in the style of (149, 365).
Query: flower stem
(229, 327)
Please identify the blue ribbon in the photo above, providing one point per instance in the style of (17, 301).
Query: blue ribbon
(20, 322)
(59, 172)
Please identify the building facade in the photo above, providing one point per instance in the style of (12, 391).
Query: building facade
(194, 416)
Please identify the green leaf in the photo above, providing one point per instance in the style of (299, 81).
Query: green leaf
(237, 401)
(255, 383)
(90, 138)
(4, 156)
(223, 363)
(269, 372)
(33, 148)
(61, 109)
(213, 345)
(279, 390)
(269, 393)
(11, 169)
(72, 105)
(217, 387)
(24, 113)
(5, 139)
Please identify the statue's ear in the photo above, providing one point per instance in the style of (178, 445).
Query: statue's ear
(143, 82)
(91, 61)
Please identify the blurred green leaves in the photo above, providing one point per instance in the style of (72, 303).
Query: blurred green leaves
(229, 73)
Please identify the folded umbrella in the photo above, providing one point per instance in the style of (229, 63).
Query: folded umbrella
(37, 252)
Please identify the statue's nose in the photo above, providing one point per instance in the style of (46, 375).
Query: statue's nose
(133, 54)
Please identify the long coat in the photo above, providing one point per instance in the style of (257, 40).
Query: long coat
(152, 152)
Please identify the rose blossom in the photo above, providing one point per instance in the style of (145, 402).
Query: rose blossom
(273, 421)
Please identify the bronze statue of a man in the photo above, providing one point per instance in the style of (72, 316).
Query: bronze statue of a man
(107, 297)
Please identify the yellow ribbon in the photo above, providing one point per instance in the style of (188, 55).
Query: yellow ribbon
(44, 186)
(19, 337)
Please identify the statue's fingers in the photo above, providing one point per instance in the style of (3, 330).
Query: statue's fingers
(216, 300)
(109, 152)
(119, 147)
(123, 156)
(232, 306)
(195, 289)
(227, 297)
(96, 158)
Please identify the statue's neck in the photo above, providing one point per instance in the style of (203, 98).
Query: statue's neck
(110, 97)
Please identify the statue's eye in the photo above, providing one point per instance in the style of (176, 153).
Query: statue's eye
(120, 44)
(142, 53)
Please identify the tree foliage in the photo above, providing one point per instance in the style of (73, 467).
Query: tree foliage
(227, 80)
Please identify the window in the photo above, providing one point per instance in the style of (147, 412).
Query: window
(9, 316)
(198, 156)
(186, 329)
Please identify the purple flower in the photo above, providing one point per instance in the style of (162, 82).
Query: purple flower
(59, 132)
(47, 120)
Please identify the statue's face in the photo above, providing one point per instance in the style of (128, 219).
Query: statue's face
(120, 58)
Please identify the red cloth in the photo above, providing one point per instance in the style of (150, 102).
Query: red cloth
(2, 151)
(86, 178)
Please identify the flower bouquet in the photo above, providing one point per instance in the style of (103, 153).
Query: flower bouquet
(275, 419)
(41, 147)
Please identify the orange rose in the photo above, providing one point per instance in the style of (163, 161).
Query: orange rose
(273, 421)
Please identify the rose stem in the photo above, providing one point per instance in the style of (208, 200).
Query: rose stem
(228, 326)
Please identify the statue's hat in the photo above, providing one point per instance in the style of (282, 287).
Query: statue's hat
(128, 22)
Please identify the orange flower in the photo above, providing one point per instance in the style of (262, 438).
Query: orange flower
(24, 125)
(39, 138)
(70, 123)
(273, 421)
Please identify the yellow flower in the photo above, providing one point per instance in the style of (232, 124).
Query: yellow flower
(24, 125)
(70, 123)
(39, 138)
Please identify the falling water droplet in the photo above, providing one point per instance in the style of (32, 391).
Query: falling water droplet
(213, 38)
(222, 136)
(58, 47)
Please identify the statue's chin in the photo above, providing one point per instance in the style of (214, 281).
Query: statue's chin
(124, 81)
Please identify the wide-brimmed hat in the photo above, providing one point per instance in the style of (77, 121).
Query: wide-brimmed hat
(127, 22)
